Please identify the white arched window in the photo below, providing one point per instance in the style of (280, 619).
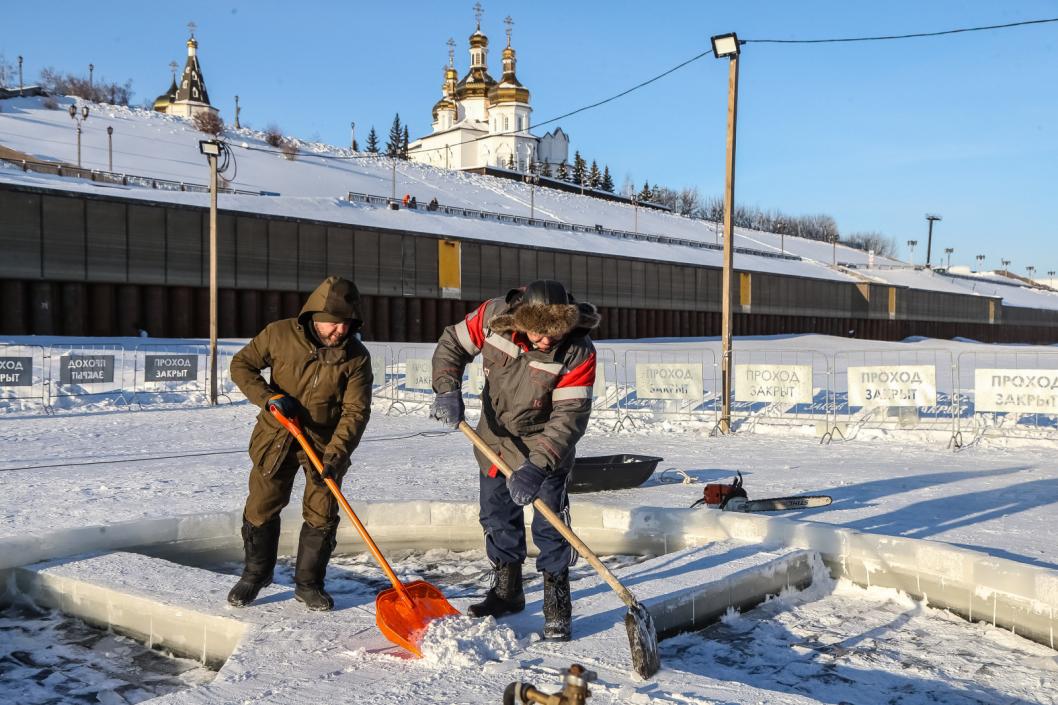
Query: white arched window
(506, 123)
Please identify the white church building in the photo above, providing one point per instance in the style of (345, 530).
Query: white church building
(480, 122)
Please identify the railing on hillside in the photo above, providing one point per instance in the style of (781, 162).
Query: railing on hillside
(110, 177)
(370, 199)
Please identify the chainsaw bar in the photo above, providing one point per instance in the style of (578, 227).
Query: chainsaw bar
(776, 504)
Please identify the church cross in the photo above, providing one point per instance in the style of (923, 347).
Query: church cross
(510, 23)
(172, 67)
(478, 12)
(192, 27)
(451, 51)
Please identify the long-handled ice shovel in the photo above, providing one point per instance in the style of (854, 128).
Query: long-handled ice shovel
(402, 612)
(642, 635)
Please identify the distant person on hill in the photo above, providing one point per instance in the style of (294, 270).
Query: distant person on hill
(433, 205)
(320, 374)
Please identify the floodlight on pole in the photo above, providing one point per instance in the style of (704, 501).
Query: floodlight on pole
(78, 117)
(980, 262)
(929, 243)
(91, 69)
(635, 208)
(110, 148)
(726, 46)
(19, 75)
(1031, 270)
(911, 246)
(212, 149)
(1005, 262)
(948, 251)
(532, 180)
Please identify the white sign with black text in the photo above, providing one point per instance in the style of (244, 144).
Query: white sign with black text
(774, 384)
(1016, 391)
(892, 385)
(669, 381)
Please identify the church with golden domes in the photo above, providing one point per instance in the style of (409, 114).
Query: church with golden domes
(481, 122)
(189, 97)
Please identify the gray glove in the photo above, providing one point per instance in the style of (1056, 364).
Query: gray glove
(448, 408)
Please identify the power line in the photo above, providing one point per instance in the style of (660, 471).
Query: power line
(900, 36)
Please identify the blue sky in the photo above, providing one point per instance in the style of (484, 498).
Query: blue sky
(875, 134)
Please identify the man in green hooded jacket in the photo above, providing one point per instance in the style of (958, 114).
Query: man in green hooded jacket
(320, 373)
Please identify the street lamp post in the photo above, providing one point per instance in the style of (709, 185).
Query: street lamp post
(79, 117)
(726, 46)
(929, 243)
(1005, 262)
(532, 180)
(19, 75)
(1031, 270)
(110, 148)
(911, 246)
(237, 111)
(352, 136)
(635, 208)
(948, 251)
(91, 68)
(211, 148)
(980, 262)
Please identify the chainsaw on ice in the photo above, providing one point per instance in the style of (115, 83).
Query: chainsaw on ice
(733, 498)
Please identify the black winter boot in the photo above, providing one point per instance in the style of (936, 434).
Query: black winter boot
(558, 607)
(505, 597)
(260, 543)
(314, 552)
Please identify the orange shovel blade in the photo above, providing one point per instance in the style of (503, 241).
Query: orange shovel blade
(403, 621)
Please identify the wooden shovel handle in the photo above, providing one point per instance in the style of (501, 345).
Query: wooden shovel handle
(554, 519)
(294, 427)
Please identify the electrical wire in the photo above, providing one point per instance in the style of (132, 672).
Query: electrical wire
(886, 37)
(134, 459)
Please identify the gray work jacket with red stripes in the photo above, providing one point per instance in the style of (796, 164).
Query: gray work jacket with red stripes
(542, 398)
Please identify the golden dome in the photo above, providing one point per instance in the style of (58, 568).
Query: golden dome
(443, 104)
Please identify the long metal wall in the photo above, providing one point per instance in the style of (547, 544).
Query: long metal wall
(84, 265)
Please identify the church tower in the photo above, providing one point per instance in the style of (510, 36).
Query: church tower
(509, 113)
(445, 111)
(472, 93)
(191, 97)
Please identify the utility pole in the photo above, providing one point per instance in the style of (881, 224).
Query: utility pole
(980, 262)
(948, 251)
(635, 207)
(352, 136)
(110, 148)
(929, 243)
(237, 111)
(211, 148)
(91, 68)
(727, 46)
(532, 180)
(19, 75)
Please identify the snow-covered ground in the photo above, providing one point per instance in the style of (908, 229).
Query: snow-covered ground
(92, 466)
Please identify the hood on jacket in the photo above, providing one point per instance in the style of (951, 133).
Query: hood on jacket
(553, 320)
(336, 296)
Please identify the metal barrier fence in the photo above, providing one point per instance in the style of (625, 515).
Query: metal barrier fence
(87, 371)
(672, 383)
(894, 389)
(171, 373)
(22, 377)
(784, 387)
(1012, 394)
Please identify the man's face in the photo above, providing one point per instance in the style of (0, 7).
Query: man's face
(543, 343)
(331, 334)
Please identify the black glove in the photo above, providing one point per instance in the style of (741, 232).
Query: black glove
(448, 408)
(524, 483)
(285, 404)
(330, 470)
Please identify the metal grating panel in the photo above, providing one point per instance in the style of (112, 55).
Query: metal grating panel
(146, 244)
(545, 266)
(470, 266)
(183, 248)
(595, 276)
(426, 281)
(107, 248)
(225, 250)
(624, 293)
(365, 261)
(526, 266)
(312, 256)
(251, 253)
(579, 275)
(64, 243)
(282, 255)
(510, 272)
(340, 253)
(490, 271)
(390, 265)
(610, 282)
(20, 235)
(409, 245)
(650, 290)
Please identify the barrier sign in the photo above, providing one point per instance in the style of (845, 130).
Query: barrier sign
(170, 368)
(378, 370)
(669, 381)
(787, 384)
(16, 371)
(894, 385)
(1016, 391)
(86, 369)
(418, 375)
(475, 379)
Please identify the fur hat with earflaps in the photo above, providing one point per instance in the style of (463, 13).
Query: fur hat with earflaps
(545, 308)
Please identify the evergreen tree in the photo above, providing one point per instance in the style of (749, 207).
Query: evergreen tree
(356, 145)
(372, 141)
(657, 194)
(563, 172)
(545, 169)
(510, 162)
(646, 194)
(607, 180)
(404, 144)
(580, 168)
(594, 177)
(393, 144)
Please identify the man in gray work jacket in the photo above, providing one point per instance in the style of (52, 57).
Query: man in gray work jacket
(539, 366)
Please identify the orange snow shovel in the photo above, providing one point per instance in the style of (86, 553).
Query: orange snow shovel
(402, 612)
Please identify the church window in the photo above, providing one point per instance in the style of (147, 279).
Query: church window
(506, 123)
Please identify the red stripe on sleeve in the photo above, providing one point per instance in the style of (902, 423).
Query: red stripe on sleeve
(475, 324)
(583, 375)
